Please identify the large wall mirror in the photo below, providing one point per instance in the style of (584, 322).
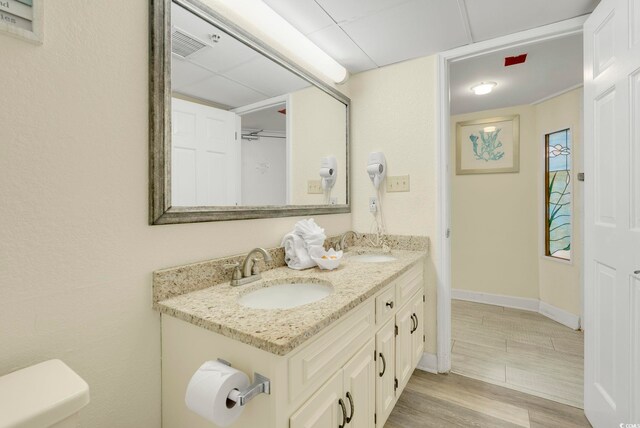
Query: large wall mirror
(237, 131)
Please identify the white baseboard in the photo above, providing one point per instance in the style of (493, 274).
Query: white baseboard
(559, 315)
(428, 363)
(523, 303)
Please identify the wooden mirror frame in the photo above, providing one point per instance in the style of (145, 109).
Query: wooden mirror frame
(160, 209)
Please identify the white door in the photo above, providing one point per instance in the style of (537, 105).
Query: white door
(385, 371)
(323, 409)
(612, 213)
(205, 156)
(360, 388)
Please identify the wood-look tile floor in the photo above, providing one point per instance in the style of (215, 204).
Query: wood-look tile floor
(519, 350)
(453, 400)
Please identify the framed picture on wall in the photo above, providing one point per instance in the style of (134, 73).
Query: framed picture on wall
(22, 19)
(488, 146)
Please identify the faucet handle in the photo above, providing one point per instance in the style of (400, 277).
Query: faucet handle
(255, 270)
(237, 273)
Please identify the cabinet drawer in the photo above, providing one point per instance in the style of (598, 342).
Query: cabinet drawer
(409, 283)
(314, 364)
(385, 305)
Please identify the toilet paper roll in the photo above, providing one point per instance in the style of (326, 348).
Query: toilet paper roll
(209, 389)
(326, 172)
(374, 168)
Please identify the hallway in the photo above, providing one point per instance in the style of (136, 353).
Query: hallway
(518, 349)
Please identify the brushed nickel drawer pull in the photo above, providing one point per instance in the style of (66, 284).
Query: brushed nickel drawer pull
(353, 409)
(344, 413)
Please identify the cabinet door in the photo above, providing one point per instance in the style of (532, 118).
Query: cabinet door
(322, 409)
(417, 338)
(404, 345)
(385, 371)
(360, 388)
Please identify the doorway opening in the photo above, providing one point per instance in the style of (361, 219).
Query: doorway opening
(510, 291)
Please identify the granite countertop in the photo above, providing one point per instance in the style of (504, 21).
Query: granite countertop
(279, 331)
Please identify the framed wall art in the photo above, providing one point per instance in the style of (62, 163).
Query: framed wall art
(22, 19)
(488, 146)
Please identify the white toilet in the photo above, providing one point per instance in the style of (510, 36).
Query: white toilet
(46, 395)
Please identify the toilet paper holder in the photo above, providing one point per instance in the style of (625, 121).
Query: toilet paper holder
(261, 385)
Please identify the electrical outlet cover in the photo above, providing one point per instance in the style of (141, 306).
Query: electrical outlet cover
(373, 204)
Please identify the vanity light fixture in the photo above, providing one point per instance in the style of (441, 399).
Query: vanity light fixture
(483, 88)
(266, 21)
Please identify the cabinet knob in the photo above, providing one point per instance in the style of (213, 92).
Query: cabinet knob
(390, 304)
(636, 272)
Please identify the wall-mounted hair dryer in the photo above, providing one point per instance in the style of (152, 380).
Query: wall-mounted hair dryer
(377, 168)
(328, 172)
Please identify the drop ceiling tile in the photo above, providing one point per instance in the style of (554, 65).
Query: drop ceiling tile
(495, 18)
(337, 44)
(348, 10)
(226, 53)
(221, 90)
(410, 30)
(551, 67)
(184, 73)
(305, 15)
(267, 77)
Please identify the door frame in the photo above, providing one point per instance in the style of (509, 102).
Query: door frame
(547, 32)
(268, 103)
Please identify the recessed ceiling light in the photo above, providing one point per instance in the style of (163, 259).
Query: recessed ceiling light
(483, 88)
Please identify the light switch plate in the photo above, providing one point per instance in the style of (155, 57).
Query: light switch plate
(398, 183)
(314, 187)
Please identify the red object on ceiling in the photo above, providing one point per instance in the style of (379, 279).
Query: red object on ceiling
(283, 111)
(513, 60)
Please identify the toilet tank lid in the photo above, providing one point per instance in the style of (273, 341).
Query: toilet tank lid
(41, 395)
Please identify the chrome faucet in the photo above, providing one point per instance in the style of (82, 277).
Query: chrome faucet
(343, 239)
(248, 271)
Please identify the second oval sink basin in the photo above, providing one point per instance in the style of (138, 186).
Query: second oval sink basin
(285, 296)
(372, 258)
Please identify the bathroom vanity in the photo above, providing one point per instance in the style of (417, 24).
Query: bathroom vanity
(341, 361)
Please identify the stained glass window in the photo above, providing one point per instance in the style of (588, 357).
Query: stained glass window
(558, 194)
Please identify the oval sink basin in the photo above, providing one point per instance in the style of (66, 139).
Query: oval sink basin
(285, 296)
(372, 258)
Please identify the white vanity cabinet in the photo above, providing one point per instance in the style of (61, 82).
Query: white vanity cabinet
(346, 400)
(349, 375)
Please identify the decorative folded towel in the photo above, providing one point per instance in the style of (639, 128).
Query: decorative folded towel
(296, 254)
(297, 244)
(312, 234)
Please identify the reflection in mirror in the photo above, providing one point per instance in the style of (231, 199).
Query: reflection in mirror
(247, 131)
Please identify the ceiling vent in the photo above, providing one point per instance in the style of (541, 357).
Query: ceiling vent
(513, 60)
(183, 44)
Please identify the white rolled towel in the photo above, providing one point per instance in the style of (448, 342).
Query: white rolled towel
(312, 234)
(296, 254)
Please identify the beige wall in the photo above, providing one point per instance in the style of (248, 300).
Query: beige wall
(497, 223)
(318, 129)
(560, 283)
(494, 219)
(76, 252)
(394, 111)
